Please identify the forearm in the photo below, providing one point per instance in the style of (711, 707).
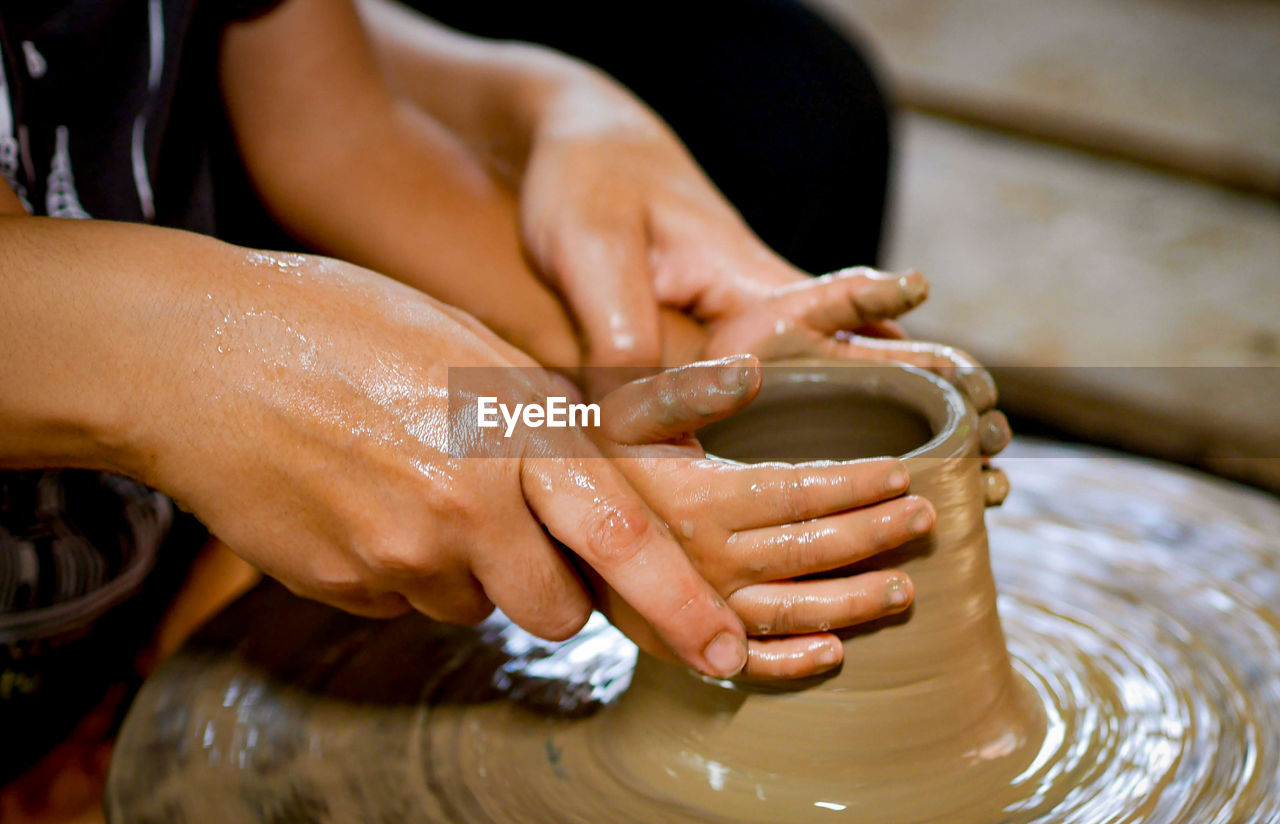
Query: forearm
(358, 173)
(492, 94)
(86, 331)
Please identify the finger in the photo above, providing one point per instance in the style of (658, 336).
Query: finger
(344, 584)
(532, 582)
(800, 656)
(768, 659)
(854, 297)
(455, 598)
(887, 329)
(945, 361)
(586, 504)
(994, 433)
(995, 486)
(791, 608)
(671, 404)
(373, 605)
(683, 339)
(976, 383)
(931, 356)
(768, 494)
(808, 547)
(603, 276)
(390, 605)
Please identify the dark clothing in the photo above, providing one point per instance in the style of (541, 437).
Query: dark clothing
(106, 106)
(783, 112)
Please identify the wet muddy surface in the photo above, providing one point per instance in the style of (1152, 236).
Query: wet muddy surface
(1136, 601)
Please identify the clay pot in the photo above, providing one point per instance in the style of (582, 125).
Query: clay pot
(925, 718)
(925, 711)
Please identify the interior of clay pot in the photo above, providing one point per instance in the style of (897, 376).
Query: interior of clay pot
(843, 420)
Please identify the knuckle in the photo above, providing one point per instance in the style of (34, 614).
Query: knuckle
(617, 533)
(393, 557)
(783, 618)
(335, 584)
(669, 396)
(796, 498)
(802, 553)
(566, 623)
(450, 503)
(468, 611)
(688, 607)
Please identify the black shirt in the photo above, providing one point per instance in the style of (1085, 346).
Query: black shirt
(108, 107)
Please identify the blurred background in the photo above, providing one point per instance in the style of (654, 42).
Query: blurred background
(1094, 189)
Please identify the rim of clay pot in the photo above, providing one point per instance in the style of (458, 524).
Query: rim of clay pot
(948, 413)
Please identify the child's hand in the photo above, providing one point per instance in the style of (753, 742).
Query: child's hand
(846, 314)
(751, 530)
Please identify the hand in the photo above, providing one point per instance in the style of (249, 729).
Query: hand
(751, 530)
(309, 425)
(847, 314)
(618, 218)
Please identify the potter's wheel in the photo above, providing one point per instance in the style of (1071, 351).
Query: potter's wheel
(1138, 599)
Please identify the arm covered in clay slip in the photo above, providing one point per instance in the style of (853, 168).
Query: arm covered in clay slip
(299, 406)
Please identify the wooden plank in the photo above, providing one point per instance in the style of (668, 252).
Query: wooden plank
(1182, 84)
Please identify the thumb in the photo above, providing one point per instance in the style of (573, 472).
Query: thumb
(851, 298)
(670, 405)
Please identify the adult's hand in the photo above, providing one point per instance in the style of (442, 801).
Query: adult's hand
(752, 530)
(300, 407)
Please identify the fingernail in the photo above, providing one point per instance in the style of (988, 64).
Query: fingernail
(829, 654)
(897, 480)
(727, 655)
(914, 289)
(920, 521)
(896, 594)
(733, 378)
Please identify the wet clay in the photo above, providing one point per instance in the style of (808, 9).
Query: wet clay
(1142, 685)
(931, 693)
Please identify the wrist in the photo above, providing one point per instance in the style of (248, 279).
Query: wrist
(545, 89)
